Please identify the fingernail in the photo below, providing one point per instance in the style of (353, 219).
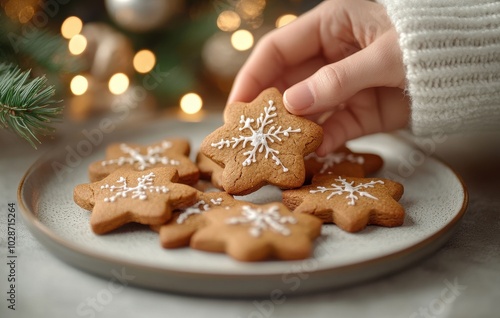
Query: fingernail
(298, 97)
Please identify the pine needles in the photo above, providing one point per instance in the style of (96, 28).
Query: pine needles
(26, 104)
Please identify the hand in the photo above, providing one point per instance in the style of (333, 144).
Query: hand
(339, 64)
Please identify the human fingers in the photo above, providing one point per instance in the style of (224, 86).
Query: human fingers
(370, 111)
(291, 76)
(379, 64)
(297, 73)
(290, 46)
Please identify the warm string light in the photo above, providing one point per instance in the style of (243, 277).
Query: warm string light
(242, 40)
(191, 103)
(71, 27)
(118, 83)
(144, 61)
(79, 85)
(77, 44)
(285, 19)
(228, 21)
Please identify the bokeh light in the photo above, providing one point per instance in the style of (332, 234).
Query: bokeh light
(144, 61)
(242, 40)
(77, 44)
(228, 21)
(20, 10)
(285, 19)
(250, 9)
(26, 14)
(191, 103)
(79, 85)
(71, 27)
(118, 83)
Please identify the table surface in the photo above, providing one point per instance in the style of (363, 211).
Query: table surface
(462, 279)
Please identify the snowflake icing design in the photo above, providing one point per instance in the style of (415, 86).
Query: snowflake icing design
(197, 208)
(262, 220)
(333, 159)
(152, 157)
(260, 136)
(144, 185)
(350, 188)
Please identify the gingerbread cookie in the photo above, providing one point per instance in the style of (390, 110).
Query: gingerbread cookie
(262, 143)
(209, 170)
(167, 153)
(185, 222)
(125, 196)
(351, 203)
(343, 162)
(253, 232)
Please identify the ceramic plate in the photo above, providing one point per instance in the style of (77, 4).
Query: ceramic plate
(435, 200)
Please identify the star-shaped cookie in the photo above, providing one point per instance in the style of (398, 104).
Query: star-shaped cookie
(251, 232)
(177, 232)
(343, 162)
(209, 170)
(125, 196)
(351, 203)
(173, 152)
(262, 143)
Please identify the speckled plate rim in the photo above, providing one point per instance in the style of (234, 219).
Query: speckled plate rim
(234, 285)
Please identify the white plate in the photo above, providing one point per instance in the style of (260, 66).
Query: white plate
(435, 200)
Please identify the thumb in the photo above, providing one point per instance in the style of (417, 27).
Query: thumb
(379, 64)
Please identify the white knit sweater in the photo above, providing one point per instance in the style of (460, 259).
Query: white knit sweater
(451, 50)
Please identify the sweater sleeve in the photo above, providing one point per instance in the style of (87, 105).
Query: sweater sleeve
(451, 51)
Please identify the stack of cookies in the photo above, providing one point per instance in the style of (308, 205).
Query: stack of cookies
(259, 144)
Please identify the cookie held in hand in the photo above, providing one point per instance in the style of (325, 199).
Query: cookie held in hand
(146, 197)
(262, 143)
(350, 203)
(171, 152)
(251, 232)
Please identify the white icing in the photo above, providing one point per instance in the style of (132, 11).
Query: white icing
(332, 159)
(197, 208)
(260, 137)
(217, 201)
(262, 220)
(350, 188)
(152, 157)
(144, 185)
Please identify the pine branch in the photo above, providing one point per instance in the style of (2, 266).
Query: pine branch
(26, 104)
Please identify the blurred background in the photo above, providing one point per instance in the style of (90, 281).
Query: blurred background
(97, 57)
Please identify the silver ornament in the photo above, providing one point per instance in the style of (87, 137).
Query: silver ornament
(142, 15)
